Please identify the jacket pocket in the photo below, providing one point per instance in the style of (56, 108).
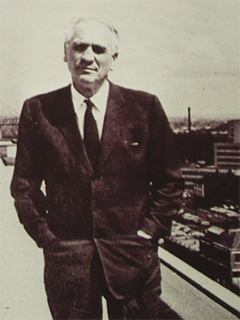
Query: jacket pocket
(67, 262)
(127, 262)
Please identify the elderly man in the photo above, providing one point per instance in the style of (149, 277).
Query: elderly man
(112, 184)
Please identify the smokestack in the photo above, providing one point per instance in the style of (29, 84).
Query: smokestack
(189, 120)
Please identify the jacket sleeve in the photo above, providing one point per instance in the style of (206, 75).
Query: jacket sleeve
(166, 180)
(30, 202)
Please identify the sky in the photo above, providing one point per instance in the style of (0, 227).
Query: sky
(184, 51)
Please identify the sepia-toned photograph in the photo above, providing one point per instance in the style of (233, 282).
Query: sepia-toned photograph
(120, 160)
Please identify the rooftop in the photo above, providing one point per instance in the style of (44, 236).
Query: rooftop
(187, 294)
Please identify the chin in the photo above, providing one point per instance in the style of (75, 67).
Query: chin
(86, 78)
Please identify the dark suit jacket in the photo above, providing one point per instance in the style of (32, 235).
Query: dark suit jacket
(137, 183)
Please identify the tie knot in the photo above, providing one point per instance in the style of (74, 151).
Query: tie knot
(89, 104)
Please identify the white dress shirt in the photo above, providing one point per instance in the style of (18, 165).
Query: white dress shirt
(100, 105)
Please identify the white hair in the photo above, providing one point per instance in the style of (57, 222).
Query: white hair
(71, 27)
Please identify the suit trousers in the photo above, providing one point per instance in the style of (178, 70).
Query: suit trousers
(75, 282)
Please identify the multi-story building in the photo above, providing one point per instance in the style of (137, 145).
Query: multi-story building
(219, 183)
(194, 146)
(211, 186)
(223, 249)
(234, 130)
(193, 173)
(227, 154)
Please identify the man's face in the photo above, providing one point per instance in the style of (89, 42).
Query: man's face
(90, 54)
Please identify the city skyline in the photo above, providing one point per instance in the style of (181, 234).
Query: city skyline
(185, 52)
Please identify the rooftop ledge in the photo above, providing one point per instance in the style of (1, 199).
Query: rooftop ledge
(221, 298)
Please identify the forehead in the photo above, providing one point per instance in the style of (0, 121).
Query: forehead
(93, 32)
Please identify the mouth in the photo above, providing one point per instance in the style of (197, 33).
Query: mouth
(88, 69)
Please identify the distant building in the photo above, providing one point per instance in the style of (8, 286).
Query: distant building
(195, 146)
(217, 188)
(223, 248)
(216, 254)
(193, 173)
(8, 152)
(227, 155)
(8, 128)
(218, 183)
(219, 146)
(234, 130)
(210, 186)
(221, 217)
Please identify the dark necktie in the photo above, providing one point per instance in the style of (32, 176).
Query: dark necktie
(91, 138)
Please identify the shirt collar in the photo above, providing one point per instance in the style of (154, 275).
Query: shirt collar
(99, 99)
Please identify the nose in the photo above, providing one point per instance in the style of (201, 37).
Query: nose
(88, 54)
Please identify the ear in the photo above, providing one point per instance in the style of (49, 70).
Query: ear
(65, 53)
(114, 58)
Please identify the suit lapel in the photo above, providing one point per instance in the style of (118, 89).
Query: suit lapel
(66, 122)
(112, 123)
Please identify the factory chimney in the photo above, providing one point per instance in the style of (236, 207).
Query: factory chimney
(189, 120)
